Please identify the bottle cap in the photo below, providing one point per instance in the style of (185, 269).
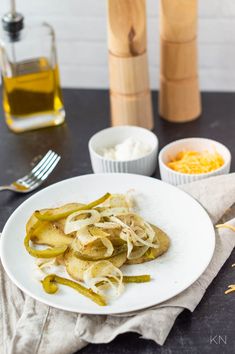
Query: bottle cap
(13, 22)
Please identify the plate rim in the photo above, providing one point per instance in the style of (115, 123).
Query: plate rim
(94, 312)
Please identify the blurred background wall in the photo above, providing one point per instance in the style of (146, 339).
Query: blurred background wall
(80, 27)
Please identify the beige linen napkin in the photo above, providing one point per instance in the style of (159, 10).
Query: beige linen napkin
(29, 327)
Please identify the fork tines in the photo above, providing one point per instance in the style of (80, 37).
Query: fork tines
(42, 170)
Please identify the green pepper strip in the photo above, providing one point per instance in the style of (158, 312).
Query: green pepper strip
(131, 279)
(136, 278)
(50, 286)
(54, 217)
(47, 253)
(85, 257)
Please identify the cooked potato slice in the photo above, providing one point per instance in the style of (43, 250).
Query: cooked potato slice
(76, 267)
(93, 249)
(33, 219)
(155, 252)
(51, 234)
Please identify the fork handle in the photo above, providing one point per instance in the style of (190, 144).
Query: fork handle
(5, 188)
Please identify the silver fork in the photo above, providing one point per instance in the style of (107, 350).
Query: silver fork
(35, 177)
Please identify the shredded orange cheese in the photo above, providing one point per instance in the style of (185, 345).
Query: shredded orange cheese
(231, 287)
(195, 162)
(226, 226)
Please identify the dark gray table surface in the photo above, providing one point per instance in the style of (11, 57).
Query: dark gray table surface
(88, 112)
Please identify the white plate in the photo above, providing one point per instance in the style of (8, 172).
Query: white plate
(179, 215)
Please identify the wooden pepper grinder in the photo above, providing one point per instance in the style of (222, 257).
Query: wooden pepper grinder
(179, 97)
(130, 95)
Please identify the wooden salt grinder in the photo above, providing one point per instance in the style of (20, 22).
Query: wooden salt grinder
(130, 96)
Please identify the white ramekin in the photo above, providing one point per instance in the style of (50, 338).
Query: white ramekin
(199, 144)
(109, 137)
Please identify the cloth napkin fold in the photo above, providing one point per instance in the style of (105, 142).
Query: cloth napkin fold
(29, 327)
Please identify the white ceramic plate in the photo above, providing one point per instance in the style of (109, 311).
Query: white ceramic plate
(179, 215)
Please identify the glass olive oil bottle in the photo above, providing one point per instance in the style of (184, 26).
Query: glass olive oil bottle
(30, 77)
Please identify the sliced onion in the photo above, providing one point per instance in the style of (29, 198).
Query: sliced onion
(104, 271)
(150, 231)
(148, 242)
(116, 220)
(84, 236)
(72, 225)
(107, 225)
(130, 198)
(98, 232)
(45, 262)
(47, 266)
(126, 236)
(136, 232)
(108, 244)
(114, 211)
(139, 252)
(116, 201)
(131, 253)
(137, 224)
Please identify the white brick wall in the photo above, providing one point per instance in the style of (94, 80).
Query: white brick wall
(80, 27)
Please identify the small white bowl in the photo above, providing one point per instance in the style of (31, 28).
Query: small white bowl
(110, 137)
(199, 144)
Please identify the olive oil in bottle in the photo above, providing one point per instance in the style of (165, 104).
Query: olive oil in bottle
(34, 88)
(32, 95)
